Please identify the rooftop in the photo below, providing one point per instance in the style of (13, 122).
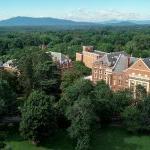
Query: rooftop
(147, 61)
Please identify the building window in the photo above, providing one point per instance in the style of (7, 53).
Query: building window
(114, 82)
(144, 85)
(100, 77)
(132, 85)
(95, 75)
(100, 71)
(119, 82)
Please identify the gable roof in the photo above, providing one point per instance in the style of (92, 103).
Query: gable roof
(147, 61)
(111, 58)
(143, 66)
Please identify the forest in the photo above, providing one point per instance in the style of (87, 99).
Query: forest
(46, 100)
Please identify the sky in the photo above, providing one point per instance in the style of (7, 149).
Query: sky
(78, 10)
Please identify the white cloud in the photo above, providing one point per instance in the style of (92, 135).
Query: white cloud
(103, 15)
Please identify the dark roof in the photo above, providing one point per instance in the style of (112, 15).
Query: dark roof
(113, 57)
(110, 58)
(147, 61)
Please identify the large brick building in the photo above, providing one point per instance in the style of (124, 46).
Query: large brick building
(89, 56)
(139, 73)
(110, 68)
(119, 70)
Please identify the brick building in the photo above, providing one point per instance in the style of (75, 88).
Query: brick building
(122, 71)
(89, 56)
(118, 69)
(110, 68)
(139, 74)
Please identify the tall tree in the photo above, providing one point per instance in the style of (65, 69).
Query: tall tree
(38, 117)
(121, 100)
(103, 97)
(82, 117)
(7, 99)
(47, 77)
(38, 72)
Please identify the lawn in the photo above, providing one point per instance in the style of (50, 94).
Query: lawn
(111, 138)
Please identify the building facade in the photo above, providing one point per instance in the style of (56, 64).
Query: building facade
(118, 69)
(110, 69)
(124, 74)
(89, 56)
(139, 74)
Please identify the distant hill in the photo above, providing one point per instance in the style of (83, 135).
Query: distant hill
(119, 23)
(29, 21)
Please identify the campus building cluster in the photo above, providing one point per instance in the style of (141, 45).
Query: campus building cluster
(63, 62)
(118, 69)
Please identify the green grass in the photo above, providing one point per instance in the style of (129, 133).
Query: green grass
(111, 138)
(119, 139)
(60, 141)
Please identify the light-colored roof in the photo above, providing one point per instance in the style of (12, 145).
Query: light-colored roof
(10, 63)
(88, 78)
(56, 56)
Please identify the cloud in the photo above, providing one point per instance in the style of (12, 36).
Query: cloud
(103, 15)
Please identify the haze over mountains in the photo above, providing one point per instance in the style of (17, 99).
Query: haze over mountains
(43, 21)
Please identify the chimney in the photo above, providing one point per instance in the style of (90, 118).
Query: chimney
(88, 48)
(129, 60)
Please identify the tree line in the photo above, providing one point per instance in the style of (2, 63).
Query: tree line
(133, 40)
(47, 100)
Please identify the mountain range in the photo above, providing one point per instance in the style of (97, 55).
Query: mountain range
(45, 21)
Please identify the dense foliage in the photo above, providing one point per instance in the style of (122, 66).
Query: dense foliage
(7, 99)
(38, 117)
(46, 99)
(133, 40)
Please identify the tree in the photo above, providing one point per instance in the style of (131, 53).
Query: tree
(7, 99)
(121, 100)
(25, 66)
(45, 39)
(81, 114)
(140, 93)
(144, 108)
(106, 47)
(18, 43)
(78, 107)
(68, 78)
(74, 92)
(131, 118)
(47, 77)
(103, 96)
(136, 118)
(38, 72)
(38, 117)
(11, 78)
(67, 38)
(81, 68)
(2, 139)
(130, 47)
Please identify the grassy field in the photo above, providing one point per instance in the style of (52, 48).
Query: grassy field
(107, 139)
